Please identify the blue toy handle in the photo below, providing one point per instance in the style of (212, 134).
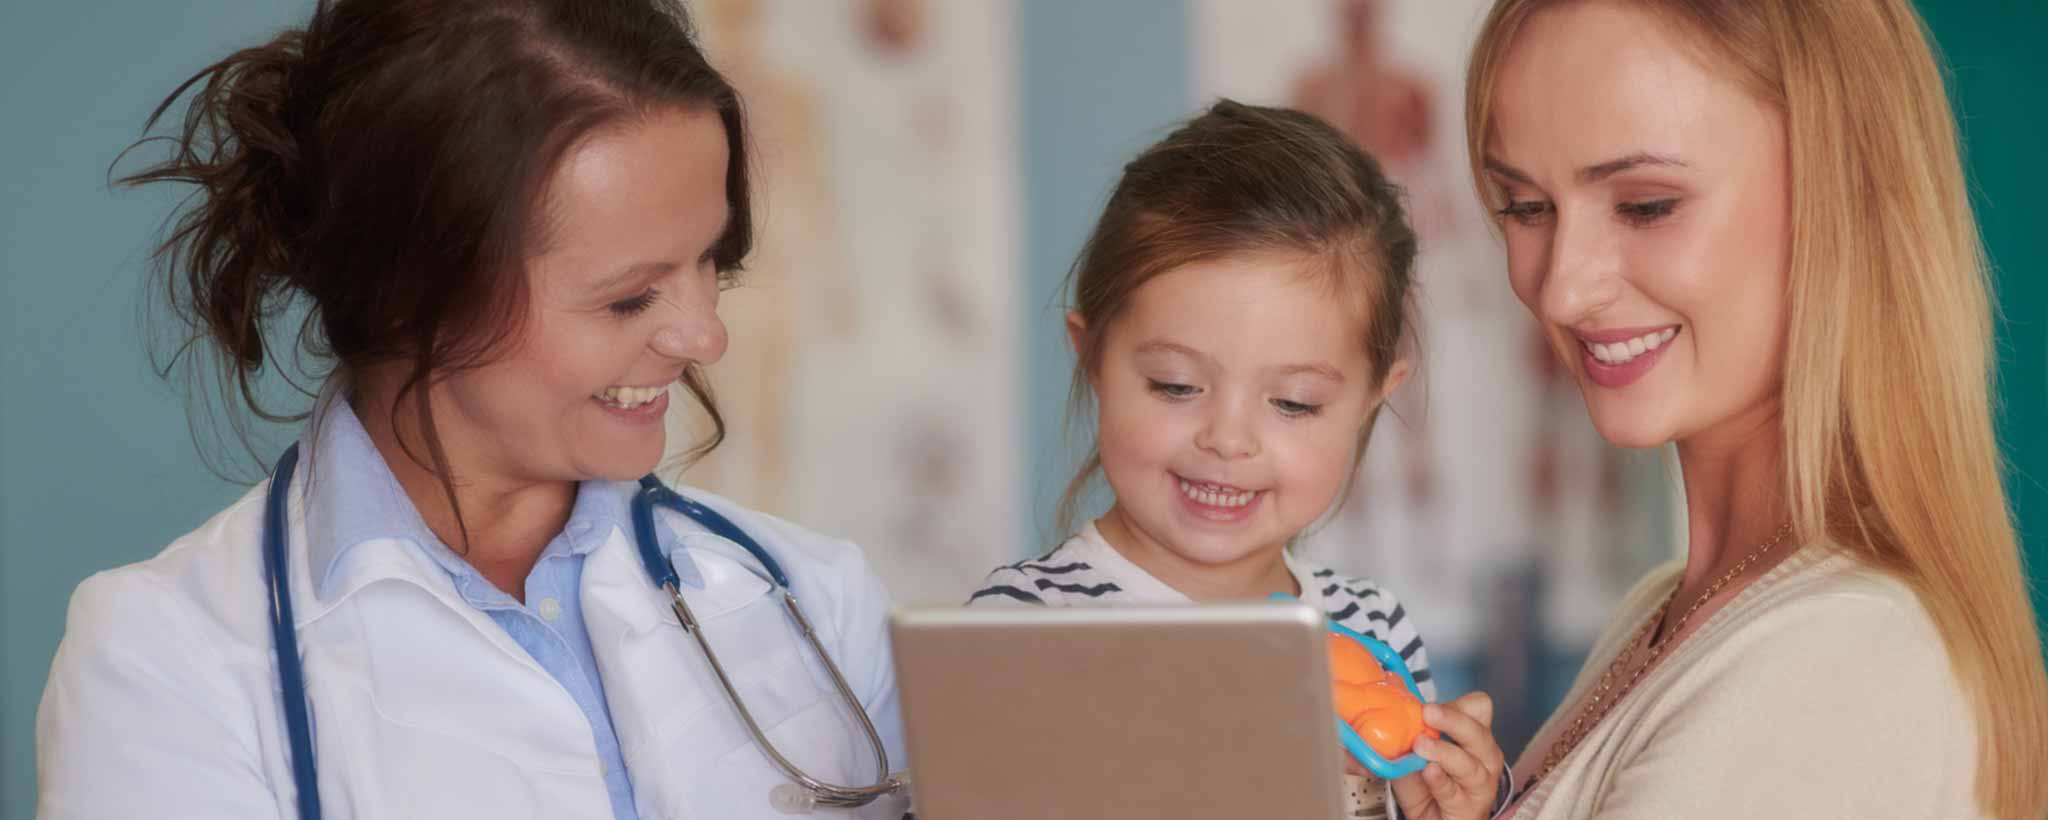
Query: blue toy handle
(1391, 661)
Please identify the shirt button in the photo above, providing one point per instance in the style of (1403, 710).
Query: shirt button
(550, 609)
(604, 769)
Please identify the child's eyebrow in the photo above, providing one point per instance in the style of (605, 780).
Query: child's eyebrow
(1323, 369)
(1164, 346)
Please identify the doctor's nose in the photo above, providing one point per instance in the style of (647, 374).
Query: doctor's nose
(698, 338)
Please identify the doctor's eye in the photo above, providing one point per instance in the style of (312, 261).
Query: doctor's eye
(1172, 391)
(634, 306)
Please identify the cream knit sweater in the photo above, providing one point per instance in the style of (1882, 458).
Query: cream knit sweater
(1820, 691)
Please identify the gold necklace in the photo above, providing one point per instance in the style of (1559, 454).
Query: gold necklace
(1602, 702)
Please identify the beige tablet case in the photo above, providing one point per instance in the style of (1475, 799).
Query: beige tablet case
(1183, 712)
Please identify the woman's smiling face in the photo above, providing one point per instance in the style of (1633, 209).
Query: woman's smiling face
(1647, 218)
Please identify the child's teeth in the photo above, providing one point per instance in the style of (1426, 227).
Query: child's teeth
(1215, 496)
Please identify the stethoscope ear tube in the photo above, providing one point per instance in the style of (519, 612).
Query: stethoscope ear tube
(284, 635)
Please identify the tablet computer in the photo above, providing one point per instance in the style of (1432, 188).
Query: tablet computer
(1185, 712)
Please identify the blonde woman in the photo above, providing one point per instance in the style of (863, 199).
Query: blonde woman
(1743, 225)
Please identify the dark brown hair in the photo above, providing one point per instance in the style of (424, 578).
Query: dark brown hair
(383, 168)
(1245, 179)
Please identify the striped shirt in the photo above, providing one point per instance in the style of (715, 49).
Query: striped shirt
(1086, 570)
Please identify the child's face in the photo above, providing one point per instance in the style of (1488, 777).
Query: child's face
(1231, 394)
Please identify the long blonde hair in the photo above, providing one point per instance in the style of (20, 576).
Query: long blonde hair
(1889, 446)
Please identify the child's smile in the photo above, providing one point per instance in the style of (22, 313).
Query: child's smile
(1231, 395)
(1218, 502)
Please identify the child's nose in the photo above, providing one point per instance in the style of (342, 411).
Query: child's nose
(1228, 435)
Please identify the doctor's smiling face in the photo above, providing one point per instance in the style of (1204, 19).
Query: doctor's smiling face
(623, 291)
(1645, 198)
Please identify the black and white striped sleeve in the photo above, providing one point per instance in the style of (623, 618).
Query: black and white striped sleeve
(1006, 586)
(1056, 579)
(1363, 606)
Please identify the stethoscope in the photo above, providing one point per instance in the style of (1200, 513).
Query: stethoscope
(800, 796)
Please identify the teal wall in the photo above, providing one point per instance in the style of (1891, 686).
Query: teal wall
(1994, 49)
(1099, 82)
(96, 467)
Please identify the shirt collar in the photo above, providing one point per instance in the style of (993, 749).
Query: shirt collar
(352, 497)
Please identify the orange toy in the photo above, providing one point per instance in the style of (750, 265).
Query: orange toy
(1373, 702)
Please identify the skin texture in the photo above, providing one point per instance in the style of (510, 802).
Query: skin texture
(1648, 191)
(623, 293)
(1242, 371)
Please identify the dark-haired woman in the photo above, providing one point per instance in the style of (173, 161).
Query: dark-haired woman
(509, 223)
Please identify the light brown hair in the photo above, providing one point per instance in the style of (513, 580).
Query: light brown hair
(1245, 179)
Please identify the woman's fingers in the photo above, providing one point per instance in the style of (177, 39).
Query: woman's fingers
(1441, 786)
(1470, 731)
(1465, 768)
(1476, 705)
(1413, 795)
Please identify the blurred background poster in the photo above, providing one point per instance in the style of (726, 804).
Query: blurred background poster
(897, 374)
(870, 389)
(1487, 502)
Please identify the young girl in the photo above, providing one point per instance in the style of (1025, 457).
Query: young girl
(1238, 318)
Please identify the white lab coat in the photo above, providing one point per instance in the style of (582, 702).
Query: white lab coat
(164, 700)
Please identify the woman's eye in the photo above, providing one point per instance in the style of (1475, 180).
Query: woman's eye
(635, 305)
(1295, 409)
(1172, 390)
(1644, 213)
(1527, 212)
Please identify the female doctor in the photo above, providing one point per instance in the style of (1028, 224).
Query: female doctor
(508, 223)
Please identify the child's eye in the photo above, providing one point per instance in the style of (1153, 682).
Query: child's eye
(1295, 409)
(634, 306)
(1529, 212)
(1643, 213)
(1172, 390)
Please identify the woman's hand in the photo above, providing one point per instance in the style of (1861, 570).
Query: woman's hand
(1463, 774)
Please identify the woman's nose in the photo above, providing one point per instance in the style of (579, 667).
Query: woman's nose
(1582, 276)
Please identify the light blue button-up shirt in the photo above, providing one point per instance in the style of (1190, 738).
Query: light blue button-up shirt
(355, 498)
